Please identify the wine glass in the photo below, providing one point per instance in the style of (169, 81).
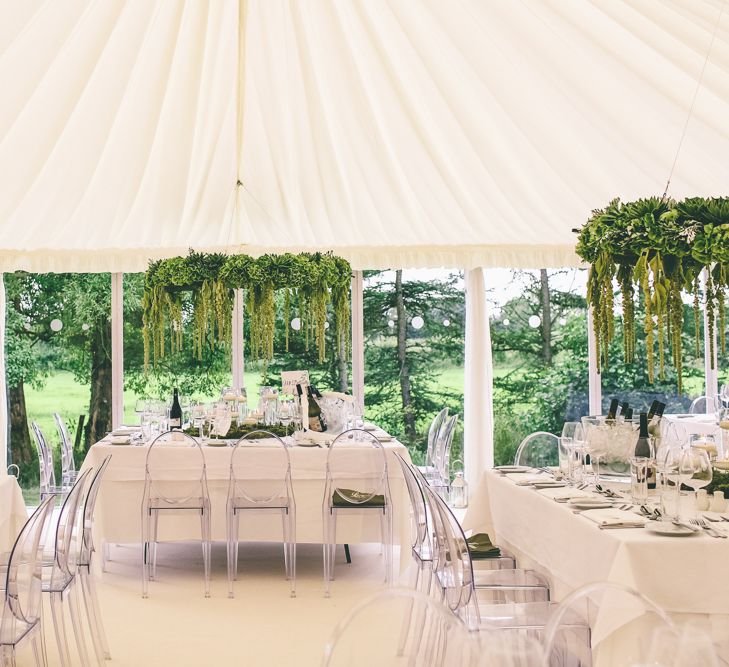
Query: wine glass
(198, 413)
(696, 460)
(572, 430)
(140, 407)
(597, 434)
(669, 468)
(705, 441)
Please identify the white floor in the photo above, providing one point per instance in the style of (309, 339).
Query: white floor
(262, 625)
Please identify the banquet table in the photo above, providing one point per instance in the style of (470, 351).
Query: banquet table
(12, 512)
(117, 518)
(686, 576)
(697, 424)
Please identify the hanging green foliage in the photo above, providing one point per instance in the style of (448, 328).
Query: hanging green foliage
(661, 247)
(204, 283)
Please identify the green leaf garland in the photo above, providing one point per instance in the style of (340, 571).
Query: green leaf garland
(203, 284)
(661, 247)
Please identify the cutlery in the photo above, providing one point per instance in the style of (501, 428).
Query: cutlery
(709, 530)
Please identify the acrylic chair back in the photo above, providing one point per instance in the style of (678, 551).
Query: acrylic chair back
(379, 631)
(87, 546)
(22, 602)
(356, 461)
(68, 465)
(433, 431)
(567, 633)
(69, 535)
(443, 449)
(47, 475)
(703, 405)
(538, 450)
(260, 469)
(421, 541)
(174, 470)
(453, 562)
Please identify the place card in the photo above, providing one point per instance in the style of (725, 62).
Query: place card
(289, 380)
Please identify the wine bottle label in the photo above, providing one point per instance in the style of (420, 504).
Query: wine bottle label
(175, 422)
(315, 424)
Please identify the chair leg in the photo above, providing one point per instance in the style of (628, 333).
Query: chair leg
(232, 518)
(285, 527)
(105, 557)
(290, 547)
(75, 609)
(205, 531)
(59, 627)
(347, 555)
(155, 526)
(145, 553)
(93, 611)
(7, 656)
(37, 653)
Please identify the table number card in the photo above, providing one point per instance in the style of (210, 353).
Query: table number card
(289, 380)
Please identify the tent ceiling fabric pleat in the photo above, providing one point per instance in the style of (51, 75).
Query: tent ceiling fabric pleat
(394, 132)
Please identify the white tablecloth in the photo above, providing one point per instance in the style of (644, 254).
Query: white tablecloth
(118, 511)
(697, 424)
(685, 576)
(12, 512)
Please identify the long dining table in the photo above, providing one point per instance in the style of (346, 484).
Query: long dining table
(117, 518)
(686, 576)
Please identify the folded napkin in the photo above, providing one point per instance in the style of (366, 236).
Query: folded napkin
(527, 477)
(307, 438)
(352, 498)
(480, 546)
(562, 495)
(116, 439)
(614, 518)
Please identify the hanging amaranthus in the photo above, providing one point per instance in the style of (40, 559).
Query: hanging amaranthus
(662, 247)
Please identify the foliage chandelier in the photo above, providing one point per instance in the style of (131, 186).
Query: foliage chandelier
(662, 247)
(199, 288)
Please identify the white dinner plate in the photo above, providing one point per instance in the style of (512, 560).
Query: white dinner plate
(585, 504)
(216, 443)
(548, 484)
(505, 469)
(670, 529)
(118, 440)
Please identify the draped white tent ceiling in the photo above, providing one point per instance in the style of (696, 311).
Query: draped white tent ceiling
(395, 132)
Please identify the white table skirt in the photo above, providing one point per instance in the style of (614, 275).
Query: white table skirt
(12, 511)
(686, 577)
(118, 511)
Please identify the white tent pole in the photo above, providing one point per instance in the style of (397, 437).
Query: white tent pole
(117, 349)
(478, 442)
(595, 380)
(237, 346)
(711, 374)
(4, 422)
(358, 336)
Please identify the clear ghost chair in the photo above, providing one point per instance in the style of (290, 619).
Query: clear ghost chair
(175, 481)
(20, 587)
(421, 548)
(483, 556)
(442, 479)
(429, 468)
(59, 573)
(261, 487)
(91, 600)
(46, 471)
(703, 405)
(68, 465)
(464, 589)
(356, 483)
(604, 607)
(377, 631)
(538, 450)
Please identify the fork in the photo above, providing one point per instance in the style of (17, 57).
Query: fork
(709, 530)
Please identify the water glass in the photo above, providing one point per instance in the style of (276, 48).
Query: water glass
(639, 479)
(565, 449)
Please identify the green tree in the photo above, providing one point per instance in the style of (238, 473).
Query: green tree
(402, 363)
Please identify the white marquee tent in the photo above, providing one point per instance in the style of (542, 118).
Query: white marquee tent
(466, 133)
(397, 132)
